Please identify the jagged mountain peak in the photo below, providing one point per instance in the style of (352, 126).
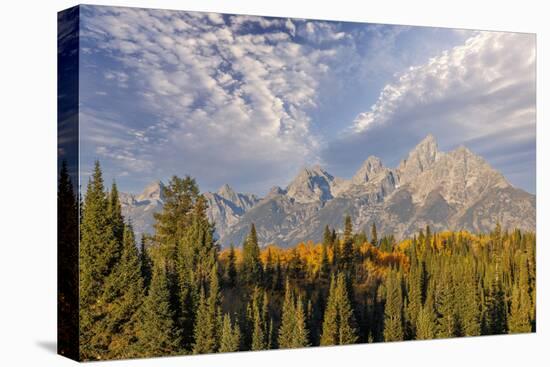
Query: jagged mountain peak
(310, 185)
(227, 192)
(420, 158)
(370, 168)
(153, 191)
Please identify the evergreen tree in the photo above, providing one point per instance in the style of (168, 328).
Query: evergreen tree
(393, 310)
(251, 271)
(445, 306)
(124, 293)
(145, 262)
(180, 197)
(230, 336)
(115, 213)
(425, 322)
(99, 251)
(496, 322)
(518, 321)
(324, 269)
(374, 235)
(293, 332)
(158, 334)
(207, 328)
(231, 267)
(196, 258)
(347, 255)
(339, 320)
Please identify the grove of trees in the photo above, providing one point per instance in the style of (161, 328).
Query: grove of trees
(175, 291)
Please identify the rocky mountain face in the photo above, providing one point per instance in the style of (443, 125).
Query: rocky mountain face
(140, 208)
(446, 190)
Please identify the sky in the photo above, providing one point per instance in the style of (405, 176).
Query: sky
(250, 101)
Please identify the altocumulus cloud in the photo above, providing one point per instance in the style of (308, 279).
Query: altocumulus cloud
(481, 94)
(230, 94)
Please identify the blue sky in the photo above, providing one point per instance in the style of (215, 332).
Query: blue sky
(249, 101)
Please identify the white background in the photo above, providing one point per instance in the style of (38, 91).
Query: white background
(28, 183)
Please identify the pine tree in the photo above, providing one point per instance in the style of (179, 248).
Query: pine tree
(496, 322)
(207, 328)
(347, 255)
(158, 334)
(230, 336)
(115, 213)
(251, 271)
(518, 321)
(293, 332)
(330, 332)
(124, 293)
(145, 262)
(180, 197)
(99, 251)
(445, 306)
(196, 258)
(374, 235)
(425, 322)
(324, 269)
(256, 333)
(231, 267)
(339, 320)
(414, 294)
(393, 310)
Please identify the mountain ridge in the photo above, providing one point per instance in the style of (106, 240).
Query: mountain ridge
(446, 190)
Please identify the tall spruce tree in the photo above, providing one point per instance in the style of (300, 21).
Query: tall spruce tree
(251, 267)
(293, 332)
(339, 320)
(158, 334)
(231, 267)
(124, 293)
(115, 213)
(393, 309)
(99, 251)
(230, 336)
(207, 328)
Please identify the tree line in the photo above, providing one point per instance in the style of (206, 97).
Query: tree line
(178, 292)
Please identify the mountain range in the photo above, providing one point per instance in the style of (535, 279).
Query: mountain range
(447, 190)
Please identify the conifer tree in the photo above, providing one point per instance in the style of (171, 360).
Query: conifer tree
(518, 321)
(347, 255)
(196, 258)
(231, 267)
(324, 269)
(207, 328)
(393, 310)
(180, 196)
(374, 235)
(293, 332)
(445, 306)
(158, 334)
(145, 262)
(339, 320)
(496, 322)
(414, 294)
(251, 271)
(124, 293)
(115, 213)
(425, 322)
(99, 251)
(230, 336)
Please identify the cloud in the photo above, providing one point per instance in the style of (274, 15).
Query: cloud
(482, 85)
(234, 90)
(481, 93)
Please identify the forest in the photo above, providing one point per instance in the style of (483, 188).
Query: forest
(175, 291)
